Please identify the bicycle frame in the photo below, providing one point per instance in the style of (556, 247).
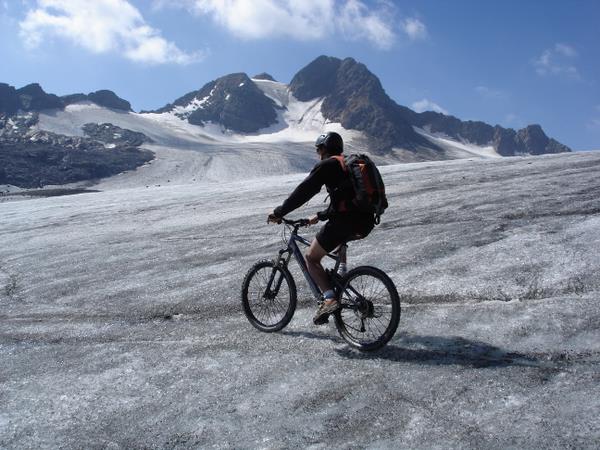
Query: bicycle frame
(293, 249)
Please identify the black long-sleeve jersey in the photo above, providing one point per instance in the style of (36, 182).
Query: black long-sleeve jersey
(328, 172)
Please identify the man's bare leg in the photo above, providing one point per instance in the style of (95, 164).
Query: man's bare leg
(314, 255)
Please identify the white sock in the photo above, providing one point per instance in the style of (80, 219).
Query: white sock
(328, 295)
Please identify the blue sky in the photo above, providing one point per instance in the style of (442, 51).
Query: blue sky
(506, 62)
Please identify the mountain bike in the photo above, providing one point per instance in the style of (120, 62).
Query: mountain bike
(370, 305)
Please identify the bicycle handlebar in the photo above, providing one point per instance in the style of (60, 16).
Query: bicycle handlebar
(296, 223)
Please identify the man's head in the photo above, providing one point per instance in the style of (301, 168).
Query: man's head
(329, 144)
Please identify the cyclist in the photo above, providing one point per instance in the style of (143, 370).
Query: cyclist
(344, 221)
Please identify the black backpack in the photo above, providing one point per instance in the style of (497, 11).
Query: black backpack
(367, 184)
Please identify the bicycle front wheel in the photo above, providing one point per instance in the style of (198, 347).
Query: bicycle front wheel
(268, 296)
(370, 310)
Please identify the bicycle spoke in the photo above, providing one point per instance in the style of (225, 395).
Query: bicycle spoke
(268, 299)
(371, 309)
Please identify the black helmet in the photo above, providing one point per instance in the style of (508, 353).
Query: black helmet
(332, 142)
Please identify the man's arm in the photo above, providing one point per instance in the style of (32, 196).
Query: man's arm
(305, 190)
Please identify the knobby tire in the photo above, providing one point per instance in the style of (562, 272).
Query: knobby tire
(268, 311)
(370, 327)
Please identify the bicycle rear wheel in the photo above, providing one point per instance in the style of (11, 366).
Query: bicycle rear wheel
(268, 296)
(370, 310)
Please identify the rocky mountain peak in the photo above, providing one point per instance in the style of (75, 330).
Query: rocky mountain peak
(109, 99)
(317, 79)
(533, 137)
(33, 98)
(354, 97)
(104, 97)
(263, 76)
(234, 101)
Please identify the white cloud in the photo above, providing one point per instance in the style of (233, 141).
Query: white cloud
(428, 105)
(101, 26)
(414, 28)
(303, 20)
(565, 50)
(258, 19)
(357, 22)
(557, 61)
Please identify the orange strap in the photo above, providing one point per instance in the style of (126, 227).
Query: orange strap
(342, 161)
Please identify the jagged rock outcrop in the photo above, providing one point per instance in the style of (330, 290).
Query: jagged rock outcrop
(112, 134)
(34, 98)
(104, 97)
(31, 158)
(233, 101)
(109, 99)
(535, 142)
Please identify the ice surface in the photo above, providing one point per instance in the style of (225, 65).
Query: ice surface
(121, 326)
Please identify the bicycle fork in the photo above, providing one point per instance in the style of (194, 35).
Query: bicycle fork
(282, 263)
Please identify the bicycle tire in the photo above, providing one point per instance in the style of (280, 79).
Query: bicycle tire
(370, 326)
(272, 311)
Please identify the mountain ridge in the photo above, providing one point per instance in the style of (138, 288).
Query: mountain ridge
(33, 98)
(348, 92)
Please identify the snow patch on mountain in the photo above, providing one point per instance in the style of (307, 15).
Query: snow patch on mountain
(297, 121)
(459, 149)
(183, 112)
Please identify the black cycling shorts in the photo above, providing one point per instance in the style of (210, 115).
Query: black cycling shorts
(344, 228)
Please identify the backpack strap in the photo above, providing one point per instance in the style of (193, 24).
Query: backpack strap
(342, 206)
(342, 160)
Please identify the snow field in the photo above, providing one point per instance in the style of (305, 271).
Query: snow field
(121, 324)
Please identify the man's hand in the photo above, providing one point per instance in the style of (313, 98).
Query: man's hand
(313, 220)
(273, 218)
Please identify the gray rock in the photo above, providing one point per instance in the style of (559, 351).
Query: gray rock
(264, 76)
(112, 134)
(33, 98)
(316, 79)
(31, 158)
(9, 99)
(109, 99)
(105, 98)
(233, 101)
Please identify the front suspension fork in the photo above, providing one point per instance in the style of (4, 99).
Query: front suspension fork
(281, 263)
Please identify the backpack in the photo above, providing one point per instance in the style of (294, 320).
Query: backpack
(367, 184)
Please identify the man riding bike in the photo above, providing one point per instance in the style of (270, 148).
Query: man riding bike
(344, 221)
